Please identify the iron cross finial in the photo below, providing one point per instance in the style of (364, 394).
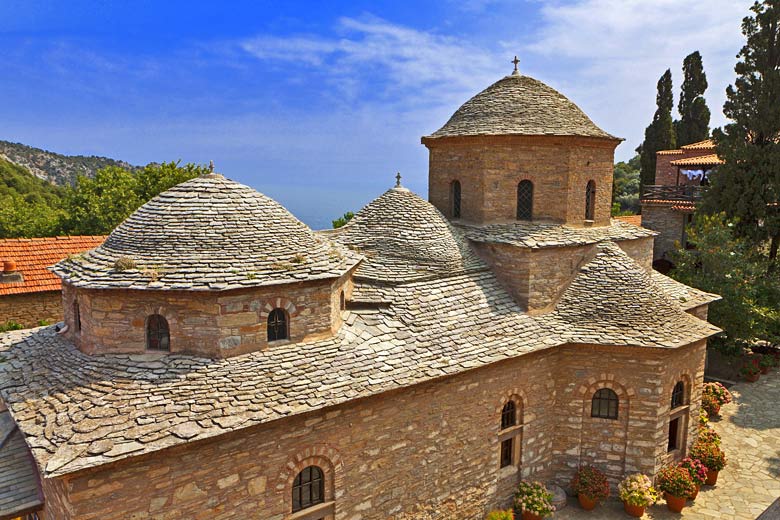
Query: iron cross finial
(211, 166)
(398, 180)
(515, 61)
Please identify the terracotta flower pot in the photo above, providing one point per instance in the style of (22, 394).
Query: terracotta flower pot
(587, 503)
(635, 511)
(752, 378)
(528, 515)
(695, 493)
(712, 478)
(675, 504)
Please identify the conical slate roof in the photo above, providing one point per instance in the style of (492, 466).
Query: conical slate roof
(614, 301)
(405, 237)
(520, 105)
(207, 233)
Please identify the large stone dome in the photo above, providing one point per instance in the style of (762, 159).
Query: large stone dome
(404, 237)
(520, 105)
(207, 233)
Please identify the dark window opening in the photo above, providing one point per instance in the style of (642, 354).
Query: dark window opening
(342, 301)
(506, 452)
(158, 335)
(678, 395)
(277, 325)
(674, 434)
(590, 201)
(76, 317)
(525, 200)
(604, 404)
(508, 415)
(455, 196)
(308, 489)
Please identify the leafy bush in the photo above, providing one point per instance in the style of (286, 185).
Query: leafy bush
(710, 405)
(696, 470)
(10, 325)
(704, 417)
(590, 482)
(718, 391)
(534, 497)
(676, 481)
(637, 490)
(708, 436)
(501, 515)
(709, 454)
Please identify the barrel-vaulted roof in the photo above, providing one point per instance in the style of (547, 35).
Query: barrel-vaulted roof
(208, 233)
(405, 237)
(520, 105)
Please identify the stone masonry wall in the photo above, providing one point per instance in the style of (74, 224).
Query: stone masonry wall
(427, 451)
(29, 309)
(640, 250)
(214, 324)
(489, 169)
(669, 224)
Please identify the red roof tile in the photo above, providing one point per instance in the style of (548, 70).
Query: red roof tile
(701, 160)
(34, 255)
(707, 144)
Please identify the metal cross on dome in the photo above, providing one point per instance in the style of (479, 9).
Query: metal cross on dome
(515, 61)
(398, 180)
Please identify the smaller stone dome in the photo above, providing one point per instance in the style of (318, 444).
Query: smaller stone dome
(520, 105)
(404, 237)
(208, 233)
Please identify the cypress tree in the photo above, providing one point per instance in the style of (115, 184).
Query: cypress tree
(747, 186)
(694, 124)
(660, 134)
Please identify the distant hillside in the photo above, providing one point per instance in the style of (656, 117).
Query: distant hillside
(56, 168)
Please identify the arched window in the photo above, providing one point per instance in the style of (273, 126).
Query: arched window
(277, 325)
(604, 404)
(158, 335)
(308, 489)
(342, 301)
(590, 201)
(509, 435)
(455, 198)
(525, 200)
(678, 395)
(508, 415)
(76, 317)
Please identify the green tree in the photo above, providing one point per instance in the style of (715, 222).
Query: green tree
(342, 220)
(659, 135)
(625, 186)
(153, 179)
(26, 217)
(694, 123)
(747, 186)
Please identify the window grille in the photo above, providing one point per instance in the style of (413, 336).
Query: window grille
(508, 415)
(158, 335)
(590, 201)
(277, 325)
(308, 489)
(455, 195)
(678, 395)
(604, 404)
(525, 200)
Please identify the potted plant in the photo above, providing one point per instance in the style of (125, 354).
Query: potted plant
(766, 363)
(697, 471)
(750, 372)
(533, 500)
(718, 391)
(677, 486)
(637, 493)
(712, 457)
(710, 405)
(591, 486)
(501, 515)
(708, 436)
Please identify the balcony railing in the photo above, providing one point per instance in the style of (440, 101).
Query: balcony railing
(659, 192)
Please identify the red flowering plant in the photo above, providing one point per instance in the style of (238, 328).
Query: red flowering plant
(708, 436)
(718, 391)
(590, 482)
(696, 470)
(676, 481)
(710, 405)
(709, 454)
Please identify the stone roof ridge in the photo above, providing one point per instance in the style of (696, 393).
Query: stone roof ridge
(207, 233)
(520, 105)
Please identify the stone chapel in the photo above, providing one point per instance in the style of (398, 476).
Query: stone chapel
(221, 360)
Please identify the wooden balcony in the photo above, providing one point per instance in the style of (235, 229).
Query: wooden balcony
(675, 193)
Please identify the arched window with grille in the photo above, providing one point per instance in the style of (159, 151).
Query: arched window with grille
(308, 489)
(590, 200)
(604, 404)
(525, 200)
(455, 199)
(510, 433)
(158, 334)
(678, 395)
(678, 418)
(277, 325)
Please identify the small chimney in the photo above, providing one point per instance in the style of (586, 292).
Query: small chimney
(10, 273)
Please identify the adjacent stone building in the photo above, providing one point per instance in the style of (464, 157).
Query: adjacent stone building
(220, 360)
(29, 293)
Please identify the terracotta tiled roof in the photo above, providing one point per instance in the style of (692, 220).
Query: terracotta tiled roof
(660, 202)
(684, 206)
(631, 219)
(702, 160)
(33, 256)
(669, 152)
(707, 144)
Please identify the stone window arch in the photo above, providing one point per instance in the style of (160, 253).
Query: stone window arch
(455, 202)
(158, 333)
(604, 404)
(590, 200)
(278, 325)
(679, 412)
(525, 200)
(308, 488)
(298, 477)
(510, 431)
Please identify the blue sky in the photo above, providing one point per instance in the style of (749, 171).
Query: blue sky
(318, 104)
